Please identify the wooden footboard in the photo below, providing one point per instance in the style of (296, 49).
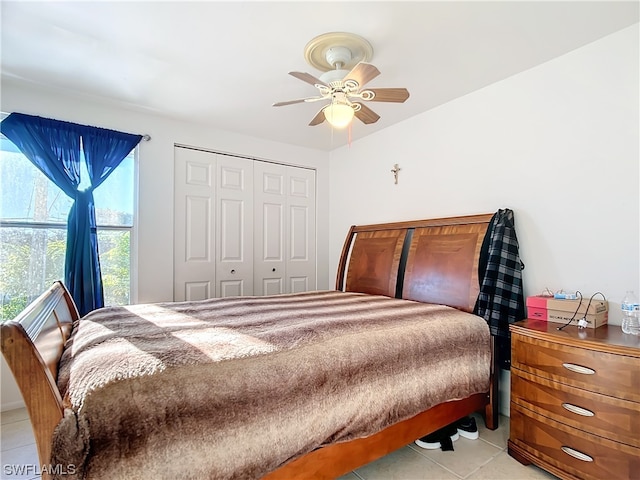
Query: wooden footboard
(32, 345)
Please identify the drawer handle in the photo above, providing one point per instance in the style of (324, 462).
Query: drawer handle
(578, 410)
(578, 368)
(576, 454)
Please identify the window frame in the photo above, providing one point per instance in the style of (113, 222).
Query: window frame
(132, 229)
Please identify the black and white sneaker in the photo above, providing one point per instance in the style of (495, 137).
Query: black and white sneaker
(442, 438)
(467, 428)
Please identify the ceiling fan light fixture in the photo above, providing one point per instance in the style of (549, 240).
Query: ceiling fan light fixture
(339, 115)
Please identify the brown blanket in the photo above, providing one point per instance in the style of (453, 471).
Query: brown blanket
(235, 387)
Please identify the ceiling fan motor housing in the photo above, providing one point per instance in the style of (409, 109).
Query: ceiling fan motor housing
(333, 76)
(338, 56)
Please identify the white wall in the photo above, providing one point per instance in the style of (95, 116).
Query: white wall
(155, 203)
(558, 144)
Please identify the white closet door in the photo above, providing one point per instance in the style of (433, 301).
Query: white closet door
(241, 227)
(284, 257)
(234, 226)
(194, 225)
(270, 226)
(301, 213)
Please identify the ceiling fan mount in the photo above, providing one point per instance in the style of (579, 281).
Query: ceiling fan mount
(325, 51)
(343, 59)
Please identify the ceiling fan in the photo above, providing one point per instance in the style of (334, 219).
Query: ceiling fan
(343, 57)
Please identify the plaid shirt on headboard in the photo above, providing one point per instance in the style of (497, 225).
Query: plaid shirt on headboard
(501, 299)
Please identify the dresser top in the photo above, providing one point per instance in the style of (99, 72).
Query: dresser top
(605, 338)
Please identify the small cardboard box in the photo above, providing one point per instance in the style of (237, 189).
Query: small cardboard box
(537, 307)
(561, 311)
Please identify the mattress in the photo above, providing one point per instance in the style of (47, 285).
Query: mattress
(236, 387)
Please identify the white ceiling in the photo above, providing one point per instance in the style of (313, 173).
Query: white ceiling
(224, 63)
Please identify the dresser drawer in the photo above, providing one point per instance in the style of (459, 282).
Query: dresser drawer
(610, 374)
(570, 450)
(601, 415)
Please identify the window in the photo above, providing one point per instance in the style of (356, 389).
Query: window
(33, 216)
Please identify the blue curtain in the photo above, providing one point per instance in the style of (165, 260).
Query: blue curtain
(54, 147)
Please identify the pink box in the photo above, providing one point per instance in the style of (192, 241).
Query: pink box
(537, 307)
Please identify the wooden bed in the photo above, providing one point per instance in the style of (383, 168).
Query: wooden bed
(430, 261)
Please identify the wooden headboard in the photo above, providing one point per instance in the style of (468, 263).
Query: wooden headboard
(433, 261)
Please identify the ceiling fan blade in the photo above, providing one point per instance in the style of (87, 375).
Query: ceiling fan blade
(289, 102)
(362, 73)
(300, 100)
(366, 115)
(307, 77)
(397, 95)
(318, 119)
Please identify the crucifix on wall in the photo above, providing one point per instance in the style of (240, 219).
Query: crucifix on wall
(395, 170)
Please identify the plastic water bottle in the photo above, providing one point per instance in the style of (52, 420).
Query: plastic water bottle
(630, 314)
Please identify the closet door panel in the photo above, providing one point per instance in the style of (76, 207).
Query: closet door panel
(234, 240)
(273, 232)
(197, 290)
(301, 204)
(270, 226)
(232, 231)
(194, 224)
(232, 288)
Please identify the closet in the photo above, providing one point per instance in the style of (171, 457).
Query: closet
(241, 226)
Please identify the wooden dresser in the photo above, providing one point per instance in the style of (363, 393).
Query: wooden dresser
(575, 400)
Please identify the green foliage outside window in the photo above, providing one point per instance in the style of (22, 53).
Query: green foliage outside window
(23, 271)
(115, 264)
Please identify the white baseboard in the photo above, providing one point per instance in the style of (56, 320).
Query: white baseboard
(5, 407)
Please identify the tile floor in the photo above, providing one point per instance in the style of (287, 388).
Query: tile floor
(485, 458)
(18, 448)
